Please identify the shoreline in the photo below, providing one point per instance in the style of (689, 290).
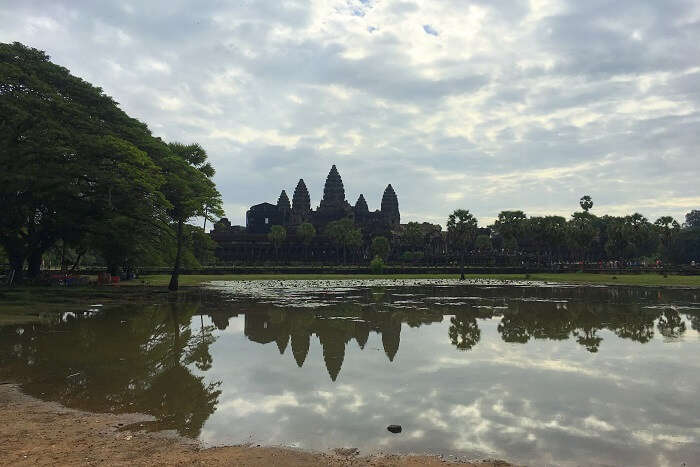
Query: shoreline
(36, 432)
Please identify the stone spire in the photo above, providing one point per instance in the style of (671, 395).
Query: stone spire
(283, 202)
(333, 191)
(361, 206)
(301, 202)
(284, 208)
(300, 346)
(390, 206)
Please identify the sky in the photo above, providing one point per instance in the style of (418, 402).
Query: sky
(486, 105)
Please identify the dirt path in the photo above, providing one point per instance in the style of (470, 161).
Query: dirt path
(33, 432)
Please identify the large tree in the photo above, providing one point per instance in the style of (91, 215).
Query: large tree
(510, 227)
(343, 234)
(461, 232)
(72, 160)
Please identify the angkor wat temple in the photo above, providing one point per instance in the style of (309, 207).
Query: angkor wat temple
(251, 243)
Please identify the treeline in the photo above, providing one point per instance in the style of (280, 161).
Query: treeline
(584, 237)
(513, 239)
(80, 178)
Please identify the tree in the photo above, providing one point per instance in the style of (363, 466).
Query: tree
(483, 243)
(461, 231)
(343, 234)
(412, 235)
(277, 235)
(380, 247)
(692, 219)
(630, 237)
(306, 233)
(189, 189)
(667, 227)
(72, 160)
(581, 232)
(510, 226)
(548, 235)
(586, 203)
(464, 331)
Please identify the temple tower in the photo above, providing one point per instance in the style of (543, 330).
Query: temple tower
(301, 203)
(390, 206)
(361, 206)
(284, 208)
(333, 191)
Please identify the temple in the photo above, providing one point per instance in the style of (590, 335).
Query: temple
(248, 243)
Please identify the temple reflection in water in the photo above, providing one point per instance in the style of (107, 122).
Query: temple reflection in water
(156, 358)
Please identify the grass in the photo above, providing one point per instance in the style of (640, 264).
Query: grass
(577, 278)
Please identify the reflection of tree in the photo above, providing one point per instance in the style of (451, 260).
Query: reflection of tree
(588, 339)
(671, 324)
(464, 332)
(695, 321)
(637, 325)
(120, 362)
(198, 348)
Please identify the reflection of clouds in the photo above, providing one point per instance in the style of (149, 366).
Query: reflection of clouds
(541, 402)
(240, 407)
(523, 362)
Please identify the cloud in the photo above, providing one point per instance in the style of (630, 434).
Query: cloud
(486, 106)
(430, 30)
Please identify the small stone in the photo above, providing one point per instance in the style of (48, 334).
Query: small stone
(394, 428)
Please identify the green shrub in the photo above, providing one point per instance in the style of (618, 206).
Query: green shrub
(376, 265)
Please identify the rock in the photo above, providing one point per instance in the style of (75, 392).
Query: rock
(394, 428)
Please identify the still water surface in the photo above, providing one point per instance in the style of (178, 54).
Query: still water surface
(529, 373)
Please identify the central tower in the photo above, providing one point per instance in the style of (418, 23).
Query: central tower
(333, 191)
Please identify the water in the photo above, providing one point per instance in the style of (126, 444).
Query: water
(529, 373)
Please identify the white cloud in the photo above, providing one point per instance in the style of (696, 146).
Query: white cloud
(511, 105)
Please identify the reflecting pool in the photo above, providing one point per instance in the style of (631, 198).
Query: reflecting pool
(530, 373)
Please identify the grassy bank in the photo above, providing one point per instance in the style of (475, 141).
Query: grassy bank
(582, 278)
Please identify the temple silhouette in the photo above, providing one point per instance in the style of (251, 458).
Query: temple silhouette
(251, 242)
(285, 328)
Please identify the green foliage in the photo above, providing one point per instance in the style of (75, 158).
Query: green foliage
(692, 219)
(72, 160)
(511, 227)
(380, 247)
(581, 231)
(277, 235)
(343, 234)
(483, 243)
(412, 256)
(461, 232)
(78, 170)
(586, 203)
(412, 235)
(376, 266)
(306, 233)
(461, 229)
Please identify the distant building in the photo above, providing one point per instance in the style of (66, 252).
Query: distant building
(251, 243)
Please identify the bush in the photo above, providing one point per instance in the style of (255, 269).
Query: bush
(412, 256)
(376, 265)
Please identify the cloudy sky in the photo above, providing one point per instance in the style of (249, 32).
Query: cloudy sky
(485, 105)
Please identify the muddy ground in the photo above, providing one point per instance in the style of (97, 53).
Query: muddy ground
(34, 432)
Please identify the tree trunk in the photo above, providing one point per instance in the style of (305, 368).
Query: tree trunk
(77, 262)
(34, 266)
(174, 278)
(461, 265)
(16, 265)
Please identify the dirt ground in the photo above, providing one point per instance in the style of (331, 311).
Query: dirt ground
(33, 432)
